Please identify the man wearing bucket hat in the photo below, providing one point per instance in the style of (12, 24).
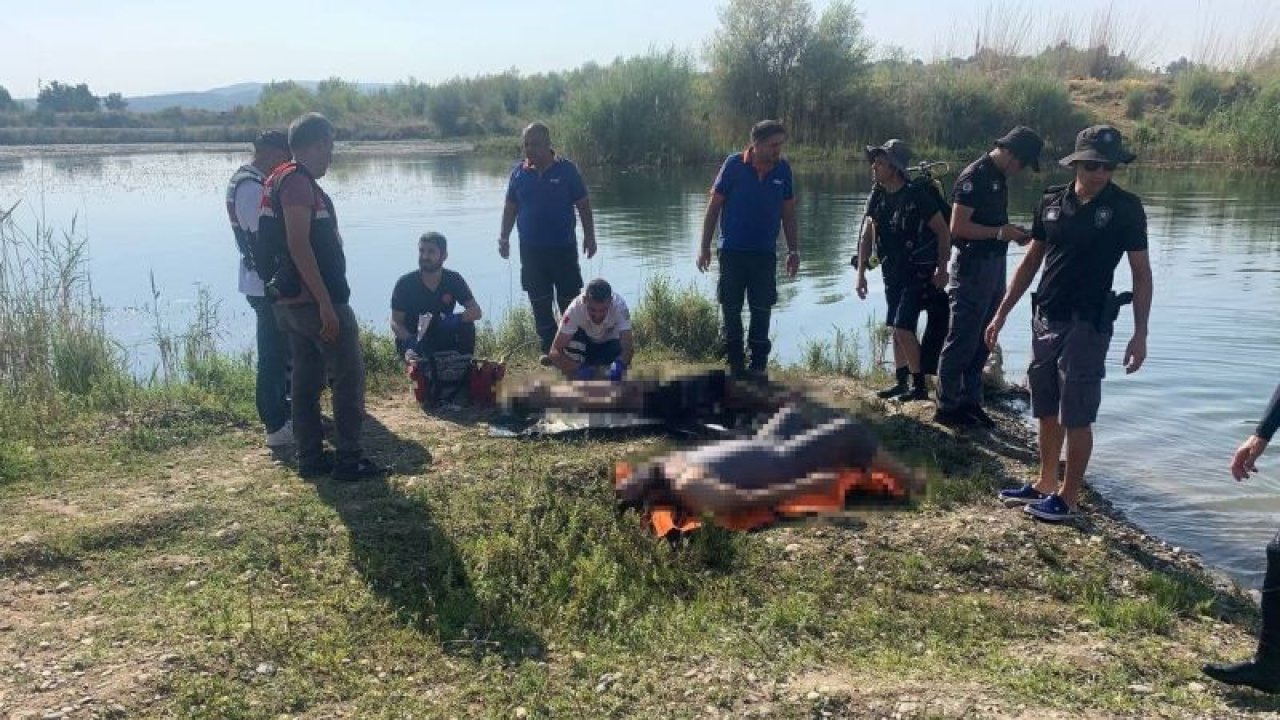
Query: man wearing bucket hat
(1080, 232)
(913, 243)
(981, 232)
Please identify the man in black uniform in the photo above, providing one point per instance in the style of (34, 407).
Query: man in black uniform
(423, 313)
(1080, 232)
(913, 243)
(981, 232)
(1263, 672)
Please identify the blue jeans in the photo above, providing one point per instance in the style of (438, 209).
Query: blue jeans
(272, 383)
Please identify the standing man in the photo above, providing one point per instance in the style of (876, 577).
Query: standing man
(981, 232)
(1263, 672)
(595, 333)
(752, 197)
(910, 233)
(244, 195)
(1080, 232)
(542, 193)
(312, 295)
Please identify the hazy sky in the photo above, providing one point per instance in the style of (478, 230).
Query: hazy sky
(141, 47)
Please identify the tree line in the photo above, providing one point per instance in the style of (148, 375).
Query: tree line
(778, 59)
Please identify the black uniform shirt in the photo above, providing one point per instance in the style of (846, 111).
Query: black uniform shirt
(1085, 243)
(902, 218)
(982, 186)
(413, 298)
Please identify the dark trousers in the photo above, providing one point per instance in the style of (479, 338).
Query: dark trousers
(271, 384)
(978, 284)
(752, 276)
(313, 359)
(937, 310)
(549, 274)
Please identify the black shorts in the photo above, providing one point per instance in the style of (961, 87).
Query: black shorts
(907, 294)
(582, 349)
(548, 268)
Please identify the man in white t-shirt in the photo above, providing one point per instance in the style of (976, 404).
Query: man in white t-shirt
(595, 334)
(243, 198)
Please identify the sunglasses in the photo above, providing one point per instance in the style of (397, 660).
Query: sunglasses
(1095, 166)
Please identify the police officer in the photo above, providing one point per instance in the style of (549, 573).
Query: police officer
(1080, 232)
(912, 240)
(981, 232)
(1263, 671)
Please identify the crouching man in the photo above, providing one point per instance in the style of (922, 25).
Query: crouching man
(595, 335)
(435, 339)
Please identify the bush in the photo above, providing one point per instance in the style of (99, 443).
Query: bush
(510, 338)
(1043, 103)
(1197, 94)
(1135, 103)
(681, 322)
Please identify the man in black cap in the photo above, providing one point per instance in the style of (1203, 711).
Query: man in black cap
(909, 230)
(243, 196)
(1080, 232)
(981, 232)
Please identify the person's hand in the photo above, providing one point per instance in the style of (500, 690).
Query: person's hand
(1246, 457)
(992, 334)
(411, 356)
(329, 324)
(860, 285)
(1013, 233)
(617, 370)
(940, 278)
(704, 259)
(589, 246)
(504, 248)
(1135, 354)
(793, 263)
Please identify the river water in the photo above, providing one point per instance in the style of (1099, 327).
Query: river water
(1164, 436)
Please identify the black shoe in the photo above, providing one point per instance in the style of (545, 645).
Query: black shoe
(980, 416)
(893, 392)
(953, 418)
(362, 469)
(315, 467)
(914, 394)
(1257, 675)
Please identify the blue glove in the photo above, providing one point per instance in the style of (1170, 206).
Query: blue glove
(617, 370)
(585, 372)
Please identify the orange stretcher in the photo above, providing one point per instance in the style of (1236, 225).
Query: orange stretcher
(851, 487)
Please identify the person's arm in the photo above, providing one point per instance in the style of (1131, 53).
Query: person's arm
(1143, 289)
(509, 210)
(297, 198)
(588, 227)
(1245, 460)
(471, 311)
(865, 243)
(626, 339)
(940, 231)
(398, 326)
(709, 223)
(1022, 278)
(1270, 419)
(964, 228)
(791, 233)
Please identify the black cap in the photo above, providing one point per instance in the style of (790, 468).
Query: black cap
(895, 151)
(1025, 145)
(1099, 143)
(271, 139)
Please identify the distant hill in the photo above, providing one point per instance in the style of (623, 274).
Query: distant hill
(216, 99)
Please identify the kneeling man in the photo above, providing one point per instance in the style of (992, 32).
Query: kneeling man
(595, 334)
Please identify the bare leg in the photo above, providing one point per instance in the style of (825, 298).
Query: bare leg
(1079, 449)
(1051, 436)
(906, 349)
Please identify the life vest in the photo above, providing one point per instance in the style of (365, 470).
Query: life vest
(270, 245)
(852, 487)
(244, 237)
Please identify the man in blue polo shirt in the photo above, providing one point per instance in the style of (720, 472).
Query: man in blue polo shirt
(542, 193)
(752, 197)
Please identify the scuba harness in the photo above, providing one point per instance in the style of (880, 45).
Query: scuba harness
(922, 177)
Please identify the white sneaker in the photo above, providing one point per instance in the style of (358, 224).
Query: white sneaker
(281, 437)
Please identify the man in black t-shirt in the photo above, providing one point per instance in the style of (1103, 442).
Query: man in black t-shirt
(1080, 233)
(424, 305)
(981, 233)
(909, 230)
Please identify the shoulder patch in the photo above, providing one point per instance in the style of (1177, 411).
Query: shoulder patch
(966, 186)
(1102, 216)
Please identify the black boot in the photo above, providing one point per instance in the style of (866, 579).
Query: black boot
(1263, 672)
(902, 374)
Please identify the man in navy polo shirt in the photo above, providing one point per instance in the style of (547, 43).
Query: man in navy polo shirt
(752, 197)
(542, 193)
